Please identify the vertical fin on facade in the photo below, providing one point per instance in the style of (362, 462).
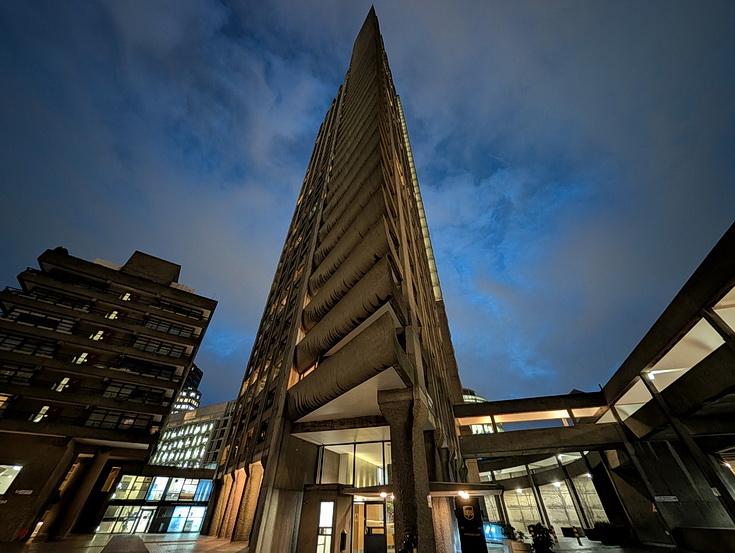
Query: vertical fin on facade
(420, 204)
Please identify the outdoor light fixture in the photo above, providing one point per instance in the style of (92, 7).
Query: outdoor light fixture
(588, 475)
(559, 456)
(18, 467)
(392, 496)
(383, 495)
(519, 490)
(651, 376)
(557, 484)
(463, 494)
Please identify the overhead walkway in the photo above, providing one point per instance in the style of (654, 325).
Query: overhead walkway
(658, 440)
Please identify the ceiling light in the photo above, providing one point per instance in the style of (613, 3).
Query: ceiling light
(557, 484)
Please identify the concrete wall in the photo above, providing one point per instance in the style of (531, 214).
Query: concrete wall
(672, 471)
(45, 462)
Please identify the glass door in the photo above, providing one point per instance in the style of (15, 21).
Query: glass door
(375, 531)
(145, 516)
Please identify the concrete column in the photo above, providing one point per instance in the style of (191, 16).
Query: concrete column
(221, 505)
(539, 500)
(65, 522)
(406, 414)
(246, 515)
(233, 505)
(575, 496)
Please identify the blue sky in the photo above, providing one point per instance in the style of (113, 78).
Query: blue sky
(576, 158)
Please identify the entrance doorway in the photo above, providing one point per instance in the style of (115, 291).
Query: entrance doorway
(144, 518)
(373, 527)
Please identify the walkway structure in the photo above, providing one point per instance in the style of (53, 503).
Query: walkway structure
(657, 441)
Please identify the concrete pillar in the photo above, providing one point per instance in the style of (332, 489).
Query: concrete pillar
(406, 414)
(221, 505)
(575, 496)
(540, 506)
(246, 515)
(65, 522)
(445, 525)
(233, 505)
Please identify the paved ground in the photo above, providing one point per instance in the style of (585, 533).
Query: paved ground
(194, 543)
(136, 543)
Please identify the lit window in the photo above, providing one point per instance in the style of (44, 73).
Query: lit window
(61, 385)
(112, 315)
(42, 414)
(99, 335)
(81, 358)
(126, 296)
(8, 473)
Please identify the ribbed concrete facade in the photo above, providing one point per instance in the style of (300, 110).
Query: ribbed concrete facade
(353, 349)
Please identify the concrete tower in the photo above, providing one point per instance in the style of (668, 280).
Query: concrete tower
(344, 424)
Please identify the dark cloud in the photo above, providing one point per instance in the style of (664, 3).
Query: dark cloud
(576, 158)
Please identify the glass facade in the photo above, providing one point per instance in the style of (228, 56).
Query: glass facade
(357, 464)
(148, 504)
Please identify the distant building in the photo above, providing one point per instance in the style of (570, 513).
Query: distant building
(189, 398)
(193, 439)
(92, 355)
(470, 396)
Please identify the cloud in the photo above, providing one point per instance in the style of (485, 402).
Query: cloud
(575, 159)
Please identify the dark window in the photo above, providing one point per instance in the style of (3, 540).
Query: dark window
(171, 328)
(156, 346)
(147, 368)
(15, 374)
(28, 346)
(110, 419)
(180, 309)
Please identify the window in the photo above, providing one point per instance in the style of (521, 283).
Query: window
(180, 309)
(324, 535)
(54, 298)
(41, 320)
(42, 414)
(110, 419)
(28, 346)
(11, 373)
(8, 473)
(131, 392)
(147, 368)
(158, 347)
(171, 328)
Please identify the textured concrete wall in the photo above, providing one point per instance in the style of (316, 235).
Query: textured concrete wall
(673, 472)
(445, 525)
(45, 462)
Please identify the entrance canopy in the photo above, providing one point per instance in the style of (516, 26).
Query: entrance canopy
(436, 489)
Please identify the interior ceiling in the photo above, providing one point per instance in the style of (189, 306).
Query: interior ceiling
(360, 401)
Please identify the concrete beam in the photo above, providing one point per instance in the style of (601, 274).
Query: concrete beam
(545, 403)
(338, 424)
(542, 440)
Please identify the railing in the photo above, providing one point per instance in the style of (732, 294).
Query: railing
(27, 416)
(190, 313)
(148, 399)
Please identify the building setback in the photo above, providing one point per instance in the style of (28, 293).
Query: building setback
(344, 435)
(92, 356)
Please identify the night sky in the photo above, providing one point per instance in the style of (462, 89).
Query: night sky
(576, 158)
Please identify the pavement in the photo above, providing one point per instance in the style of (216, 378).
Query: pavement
(129, 543)
(194, 543)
